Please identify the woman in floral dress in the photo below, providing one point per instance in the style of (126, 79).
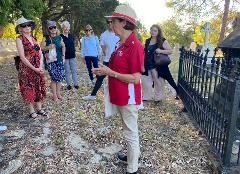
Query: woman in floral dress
(30, 73)
(54, 42)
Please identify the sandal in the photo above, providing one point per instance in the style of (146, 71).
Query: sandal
(60, 97)
(177, 98)
(55, 99)
(42, 113)
(31, 116)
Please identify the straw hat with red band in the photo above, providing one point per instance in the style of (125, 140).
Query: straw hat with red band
(125, 12)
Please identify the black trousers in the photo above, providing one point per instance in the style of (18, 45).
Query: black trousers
(91, 61)
(164, 72)
(99, 82)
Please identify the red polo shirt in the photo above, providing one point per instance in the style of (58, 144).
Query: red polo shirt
(127, 59)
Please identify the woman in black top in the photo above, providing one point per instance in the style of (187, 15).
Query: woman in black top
(70, 56)
(153, 73)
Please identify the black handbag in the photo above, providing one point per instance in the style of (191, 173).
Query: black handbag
(17, 61)
(161, 59)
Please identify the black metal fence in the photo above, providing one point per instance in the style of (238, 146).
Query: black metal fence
(211, 93)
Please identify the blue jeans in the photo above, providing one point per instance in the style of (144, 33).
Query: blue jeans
(71, 68)
(99, 82)
(91, 62)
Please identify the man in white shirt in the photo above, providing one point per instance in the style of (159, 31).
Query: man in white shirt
(108, 41)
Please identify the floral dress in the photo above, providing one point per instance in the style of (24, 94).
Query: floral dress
(32, 85)
(56, 69)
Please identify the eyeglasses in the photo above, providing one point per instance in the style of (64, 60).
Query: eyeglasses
(109, 22)
(117, 19)
(53, 27)
(87, 30)
(25, 25)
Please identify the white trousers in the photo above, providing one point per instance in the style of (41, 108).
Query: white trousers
(129, 115)
(149, 93)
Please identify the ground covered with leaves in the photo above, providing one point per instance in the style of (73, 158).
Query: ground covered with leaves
(77, 139)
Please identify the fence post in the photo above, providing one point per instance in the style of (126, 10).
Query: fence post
(231, 127)
(180, 63)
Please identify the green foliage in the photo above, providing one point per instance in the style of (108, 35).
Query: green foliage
(4, 8)
(216, 22)
(175, 33)
(10, 10)
(79, 13)
(141, 32)
(9, 31)
(194, 10)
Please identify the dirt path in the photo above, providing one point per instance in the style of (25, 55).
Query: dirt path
(75, 139)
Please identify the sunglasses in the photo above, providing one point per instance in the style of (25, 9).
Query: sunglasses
(109, 22)
(53, 27)
(25, 25)
(87, 30)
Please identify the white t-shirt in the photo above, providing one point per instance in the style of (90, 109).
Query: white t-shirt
(109, 40)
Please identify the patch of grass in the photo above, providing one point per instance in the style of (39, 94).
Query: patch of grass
(168, 107)
(99, 108)
(59, 142)
(81, 115)
(100, 136)
(149, 136)
(174, 66)
(43, 168)
(82, 171)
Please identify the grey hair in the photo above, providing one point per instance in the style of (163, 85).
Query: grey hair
(65, 24)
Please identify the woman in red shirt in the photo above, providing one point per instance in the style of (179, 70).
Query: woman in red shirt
(124, 71)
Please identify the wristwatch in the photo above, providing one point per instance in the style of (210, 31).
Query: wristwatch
(115, 76)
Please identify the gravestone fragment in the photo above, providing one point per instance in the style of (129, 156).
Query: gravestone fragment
(206, 28)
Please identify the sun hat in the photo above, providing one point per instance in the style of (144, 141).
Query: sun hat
(126, 12)
(51, 23)
(23, 20)
(88, 26)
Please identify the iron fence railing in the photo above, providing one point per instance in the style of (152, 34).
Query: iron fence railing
(211, 93)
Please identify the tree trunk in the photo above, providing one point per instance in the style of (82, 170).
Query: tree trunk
(224, 21)
(1, 31)
(44, 25)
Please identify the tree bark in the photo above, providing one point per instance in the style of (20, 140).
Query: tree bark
(1, 31)
(224, 21)
(44, 25)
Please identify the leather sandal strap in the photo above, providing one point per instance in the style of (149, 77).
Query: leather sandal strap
(31, 115)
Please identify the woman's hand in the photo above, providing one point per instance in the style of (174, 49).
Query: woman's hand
(39, 70)
(51, 46)
(84, 60)
(102, 70)
(158, 50)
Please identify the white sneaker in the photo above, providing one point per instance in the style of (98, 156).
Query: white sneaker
(3, 128)
(89, 97)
